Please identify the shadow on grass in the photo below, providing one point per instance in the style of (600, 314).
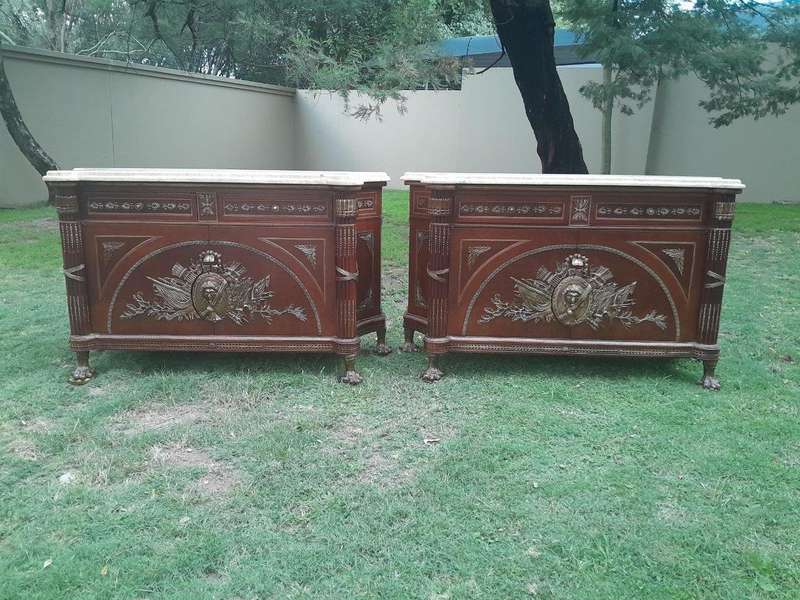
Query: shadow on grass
(148, 363)
(610, 369)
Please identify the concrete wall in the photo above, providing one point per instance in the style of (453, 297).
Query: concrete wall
(763, 154)
(482, 127)
(97, 113)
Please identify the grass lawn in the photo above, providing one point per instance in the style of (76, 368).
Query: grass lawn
(256, 476)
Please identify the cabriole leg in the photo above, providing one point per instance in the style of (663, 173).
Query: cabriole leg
(433, 372)
(83, 372)
(350, 376)
(382, 349)
(709, 380)
(408, 344)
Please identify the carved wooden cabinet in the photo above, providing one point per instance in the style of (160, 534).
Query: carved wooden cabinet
(572, 265)
(220, 261)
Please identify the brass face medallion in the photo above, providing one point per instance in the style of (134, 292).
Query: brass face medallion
(571, 300)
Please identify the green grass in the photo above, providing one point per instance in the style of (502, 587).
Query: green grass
(553, 477)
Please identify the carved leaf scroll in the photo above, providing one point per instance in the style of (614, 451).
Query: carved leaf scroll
(573, 294)
(209, 289)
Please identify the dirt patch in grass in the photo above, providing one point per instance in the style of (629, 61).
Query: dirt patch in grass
(24, 449)
(383, 469)
(159, 417)
(36, 425)
(219, 477)
(381, 464)
(236, 396)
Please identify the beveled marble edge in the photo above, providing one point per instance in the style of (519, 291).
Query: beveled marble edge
(217, 176)
(569, 180)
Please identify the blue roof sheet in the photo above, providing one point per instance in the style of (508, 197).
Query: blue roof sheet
(490, 44)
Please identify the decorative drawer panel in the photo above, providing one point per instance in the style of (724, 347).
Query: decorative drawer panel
(281, 205)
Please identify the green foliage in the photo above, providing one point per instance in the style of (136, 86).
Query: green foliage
(746, 52)
(386, 47)
(373, 46)
(553, 477)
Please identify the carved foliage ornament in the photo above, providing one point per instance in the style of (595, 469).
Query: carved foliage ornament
(212, 290)
(573, 295)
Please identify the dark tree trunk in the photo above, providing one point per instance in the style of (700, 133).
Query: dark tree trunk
(526, 29)
(25, 141)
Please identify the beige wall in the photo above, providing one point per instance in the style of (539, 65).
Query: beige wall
(94, 113)
(482, 127)
(764, 154)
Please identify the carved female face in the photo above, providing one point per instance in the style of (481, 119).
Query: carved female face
(571, 300)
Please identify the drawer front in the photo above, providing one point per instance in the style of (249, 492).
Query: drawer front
(275, 205)
(145, 202)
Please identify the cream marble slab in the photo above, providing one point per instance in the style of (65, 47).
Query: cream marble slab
(217, 176)
(571, 180)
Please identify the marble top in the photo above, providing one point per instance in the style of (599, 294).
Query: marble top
(571, 180)
(217, 176)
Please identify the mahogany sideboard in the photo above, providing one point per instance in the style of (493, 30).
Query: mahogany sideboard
(220, 260)
(568, 265)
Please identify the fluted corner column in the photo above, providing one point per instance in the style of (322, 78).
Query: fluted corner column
(66, 202)
(718, 243)
(347, 342)
(440, 209)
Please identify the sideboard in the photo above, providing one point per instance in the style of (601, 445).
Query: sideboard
(568, 264)
(220, 260)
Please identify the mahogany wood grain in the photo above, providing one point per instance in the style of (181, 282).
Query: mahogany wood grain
(228, 267)
(568, 270)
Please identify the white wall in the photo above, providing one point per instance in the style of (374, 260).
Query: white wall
(96, 113)
(764, 154)
(482, 127)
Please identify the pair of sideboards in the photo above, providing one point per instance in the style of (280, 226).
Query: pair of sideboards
(226, 260)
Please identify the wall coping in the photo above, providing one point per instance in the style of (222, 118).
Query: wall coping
(104, 64)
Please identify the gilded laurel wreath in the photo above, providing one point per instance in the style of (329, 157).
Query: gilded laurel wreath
(212, 290)
(573, 294)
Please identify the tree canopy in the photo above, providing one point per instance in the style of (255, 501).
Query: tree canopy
(747, 52)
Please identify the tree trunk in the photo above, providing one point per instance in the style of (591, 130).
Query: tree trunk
(608, 111)
(526, 29)
(25, 141)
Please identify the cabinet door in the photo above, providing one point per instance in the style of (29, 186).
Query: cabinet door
(641, 285)
(270, 281)
(502, 282)
(141, 278)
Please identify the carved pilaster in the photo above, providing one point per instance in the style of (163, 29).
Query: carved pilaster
(72, 246)
(717, 243)
(346, 211)
(440, 208)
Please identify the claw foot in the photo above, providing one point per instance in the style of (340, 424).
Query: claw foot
(709, 383)
(383, 349)
(408, 347)
(81, 375)
(432, 374)
(351, 377)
